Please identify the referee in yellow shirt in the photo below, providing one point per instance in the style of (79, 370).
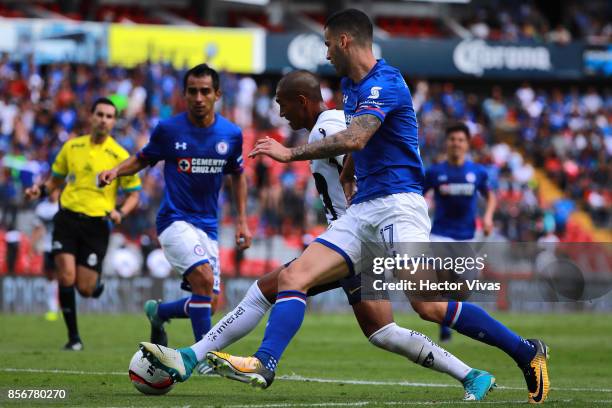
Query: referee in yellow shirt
(81, 228)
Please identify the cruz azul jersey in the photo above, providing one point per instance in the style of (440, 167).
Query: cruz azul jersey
(326, 172)
(390, 163)
(455, 189)
(195, 161)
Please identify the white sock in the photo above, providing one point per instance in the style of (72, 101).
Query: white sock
(52, 302)
(420, 349)
(236, 324)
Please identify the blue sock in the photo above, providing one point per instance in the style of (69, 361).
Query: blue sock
(285, 320)
(445, 332)
(475, 322)
(199, 313)
(173, 310)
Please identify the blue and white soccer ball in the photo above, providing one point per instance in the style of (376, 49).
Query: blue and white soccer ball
(147, 378)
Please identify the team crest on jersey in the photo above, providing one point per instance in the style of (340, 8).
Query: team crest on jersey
(184, 165)
(198, 250)
(222, 147)
(375, 92)
(201, 165)
(470, 177)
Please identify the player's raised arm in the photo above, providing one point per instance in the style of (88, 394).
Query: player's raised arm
(352, 139)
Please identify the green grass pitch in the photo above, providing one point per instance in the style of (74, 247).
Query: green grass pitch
(329, 364)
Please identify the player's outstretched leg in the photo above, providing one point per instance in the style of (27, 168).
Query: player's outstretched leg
(375, 317)
(238, 322)
(423, 351)
(473, 321)
(233, 326)
(318, 264)
(530, 355)
(285, 320)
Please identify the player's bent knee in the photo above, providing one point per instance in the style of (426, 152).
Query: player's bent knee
(293, 278)
(430, 311)
(66, 280)
(85, 290)
(66, 276)
(201, 279)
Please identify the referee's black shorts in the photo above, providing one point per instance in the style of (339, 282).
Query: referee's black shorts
(82, 236)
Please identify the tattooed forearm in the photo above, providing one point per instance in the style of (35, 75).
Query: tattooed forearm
(354, 138)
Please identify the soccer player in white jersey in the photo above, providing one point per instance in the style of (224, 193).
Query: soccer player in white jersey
(299, 97)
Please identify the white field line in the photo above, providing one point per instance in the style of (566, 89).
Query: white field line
(363, 404)
(300, 378)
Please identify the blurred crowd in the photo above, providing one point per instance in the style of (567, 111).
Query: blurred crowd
(523, 20)
(565, 131)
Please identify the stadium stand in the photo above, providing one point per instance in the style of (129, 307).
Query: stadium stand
(547, 145)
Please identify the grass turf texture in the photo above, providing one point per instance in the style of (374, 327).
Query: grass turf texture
(327, 347)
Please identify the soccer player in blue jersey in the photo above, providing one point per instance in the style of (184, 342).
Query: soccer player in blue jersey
(456, 183)
(388, 207)
(383, 138)
(198, 147)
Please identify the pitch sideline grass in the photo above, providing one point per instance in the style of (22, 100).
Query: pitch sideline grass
(330, 363)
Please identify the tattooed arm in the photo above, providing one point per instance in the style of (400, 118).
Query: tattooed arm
(352, 139)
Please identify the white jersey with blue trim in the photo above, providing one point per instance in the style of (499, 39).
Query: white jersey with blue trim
(326, 172)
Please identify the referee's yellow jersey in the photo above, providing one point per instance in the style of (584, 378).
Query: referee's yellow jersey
(80, 162)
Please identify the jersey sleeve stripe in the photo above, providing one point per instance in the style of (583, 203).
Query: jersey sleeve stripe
(362, 110)
(58, 175)
(132, 189)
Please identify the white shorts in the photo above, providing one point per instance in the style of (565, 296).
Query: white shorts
(397, 218)
(186, 247)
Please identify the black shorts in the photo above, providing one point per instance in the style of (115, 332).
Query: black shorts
(82, 236)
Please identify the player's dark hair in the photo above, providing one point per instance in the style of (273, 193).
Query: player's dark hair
(458, 127)
(103, 101)
(352, 21)
(200, 71)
